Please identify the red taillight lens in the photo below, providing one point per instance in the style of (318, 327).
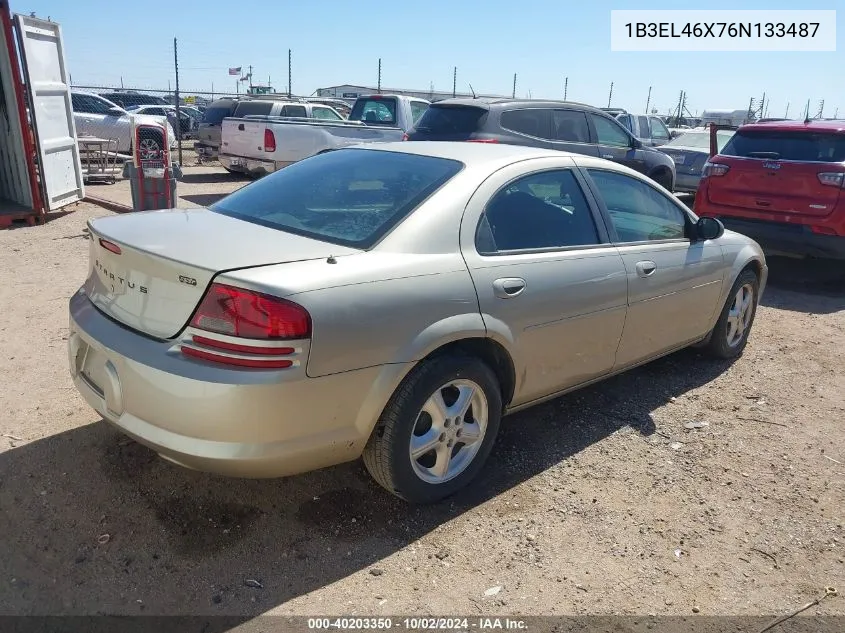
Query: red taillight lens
(405, 137)
(823, 230)
(269, 140)
(482, 140)
(110, 246)
(714, 169)
(247, 314)
(834, 179)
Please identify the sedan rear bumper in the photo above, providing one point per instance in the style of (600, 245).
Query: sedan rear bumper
(687, 183)
(243, 423)
(796, 239)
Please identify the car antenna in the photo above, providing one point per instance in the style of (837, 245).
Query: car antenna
(472, 91)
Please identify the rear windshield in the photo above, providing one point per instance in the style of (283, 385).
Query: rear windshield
(785, 145)
(245, 108)
(701, 140)
(351, 197)
(216, 114)
(379, 111)
(451, 119)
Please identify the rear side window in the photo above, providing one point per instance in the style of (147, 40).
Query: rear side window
(787, 145)
(324, 113)
(418, 108)
(215, 115)
(451, 119)
(379, 111)
(351, 197)
(529, 121)
(542, 210)
(644, 127)
(570, 125)
(294, 111)
(246, 108)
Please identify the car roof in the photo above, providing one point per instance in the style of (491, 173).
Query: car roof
(830, 125)
(468, 153)
(487, 102)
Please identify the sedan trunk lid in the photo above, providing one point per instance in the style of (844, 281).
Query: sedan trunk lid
(150, 270)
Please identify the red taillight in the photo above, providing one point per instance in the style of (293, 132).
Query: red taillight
(247, 314)
(833, 178)
(269, 140)
(714, 169)
(482, 140)
(255, 363)
(110, 246)
(405, 137)
(242, 349)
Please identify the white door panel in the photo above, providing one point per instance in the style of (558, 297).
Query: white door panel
(45, 72)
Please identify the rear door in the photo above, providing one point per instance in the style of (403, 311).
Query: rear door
(527, 126)
(777, 171)
(45, 72)
(571, 132)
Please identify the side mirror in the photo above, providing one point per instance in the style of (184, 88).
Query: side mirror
(709, 228)
(116, 112)
(636, 143)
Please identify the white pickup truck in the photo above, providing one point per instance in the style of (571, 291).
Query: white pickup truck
(258, 145)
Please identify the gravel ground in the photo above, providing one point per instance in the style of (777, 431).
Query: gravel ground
(601, 502)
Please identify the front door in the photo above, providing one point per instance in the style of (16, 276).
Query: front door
(550, 286)
(674, 284)
(616, 143)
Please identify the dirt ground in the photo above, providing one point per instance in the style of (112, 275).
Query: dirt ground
(601, 502)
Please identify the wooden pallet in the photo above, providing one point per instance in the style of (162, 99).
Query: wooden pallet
(20, 218)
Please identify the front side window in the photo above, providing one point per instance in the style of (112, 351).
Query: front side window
(543, 210)
(529, 121)
(351, 197)
(638, 211)
(658, 130)
(609, 132)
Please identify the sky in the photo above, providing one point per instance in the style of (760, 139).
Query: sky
(333, 42)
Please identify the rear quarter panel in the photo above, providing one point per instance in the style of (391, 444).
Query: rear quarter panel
(739, 252)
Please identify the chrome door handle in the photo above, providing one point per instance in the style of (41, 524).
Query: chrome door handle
(646, 268)
(508, 287)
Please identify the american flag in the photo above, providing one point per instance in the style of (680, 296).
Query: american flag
(235, 71)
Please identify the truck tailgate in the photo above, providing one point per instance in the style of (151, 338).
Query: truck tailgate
(242, 137)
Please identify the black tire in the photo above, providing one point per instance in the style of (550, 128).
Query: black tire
(717, 343)
(387, 454)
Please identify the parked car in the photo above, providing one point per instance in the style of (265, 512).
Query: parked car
(394, 300)
(128, 99)
(257, 146)
(286, 108)
(95, 116)
(561, 125)
(690, 151)
(344, 108)
(648, 128)
(188, 123)
(781, 183)
(209, 133)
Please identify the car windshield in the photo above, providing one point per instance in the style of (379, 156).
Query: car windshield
(351, 197)
(701, 140)
(825, 147)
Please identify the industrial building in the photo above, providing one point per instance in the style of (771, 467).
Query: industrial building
(352, 92)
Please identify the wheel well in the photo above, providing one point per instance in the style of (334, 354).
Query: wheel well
(754, 265)
(660, 171)
(493, 354)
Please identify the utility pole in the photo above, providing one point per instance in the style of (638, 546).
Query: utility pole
(648, 100)
(513, 94)
(454, 81)
(290, 75)
(178, 118)
(565, 87)
(121, 82)
(212, 91)
(786, 114)
(379, 75)
(610, 94)
(820, 114)
(807, 111)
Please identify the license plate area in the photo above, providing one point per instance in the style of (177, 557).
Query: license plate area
(236, 162)
(90, 363)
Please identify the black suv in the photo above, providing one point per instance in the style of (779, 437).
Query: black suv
(561, 125)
